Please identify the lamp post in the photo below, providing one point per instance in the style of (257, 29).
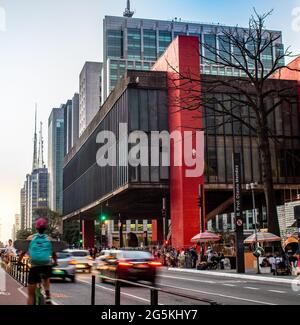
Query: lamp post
(252, 187)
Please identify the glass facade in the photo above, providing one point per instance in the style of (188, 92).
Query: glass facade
(165, 38)
(114, 41)
(150, 48)
(142, 110)
(139, 40)
(232, 136)
(134, 43)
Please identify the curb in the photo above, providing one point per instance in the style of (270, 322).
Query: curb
(236, 276)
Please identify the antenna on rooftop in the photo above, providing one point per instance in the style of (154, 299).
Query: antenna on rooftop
(128, 13)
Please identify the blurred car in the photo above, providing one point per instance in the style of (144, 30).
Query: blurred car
(129, 265)
(100, 260)
(66, 267)
(81, 259)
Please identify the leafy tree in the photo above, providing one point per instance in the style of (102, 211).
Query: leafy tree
(241, 50)
(23, 234)
(71, 232)
(54, 221)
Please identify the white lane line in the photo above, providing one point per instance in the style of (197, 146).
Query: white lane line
(122, 293)
(26, 296)
(277, 291)
(229, 285)
(185, 279)
(251, 288)
(221, 295)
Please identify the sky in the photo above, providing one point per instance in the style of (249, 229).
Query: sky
(44, 44)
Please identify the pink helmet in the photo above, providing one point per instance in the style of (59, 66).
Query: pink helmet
(41, 223)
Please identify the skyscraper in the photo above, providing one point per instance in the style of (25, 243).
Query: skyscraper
(22, 206)
(134, 43)
(71, 122)
(55, 158)
(89, 93)
(34, 194)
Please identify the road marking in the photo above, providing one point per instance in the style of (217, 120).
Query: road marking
(229, 285)
(251, 288)
(26, 296)
(277, 291)
(122, 293)
(221, 295)
(192, 280)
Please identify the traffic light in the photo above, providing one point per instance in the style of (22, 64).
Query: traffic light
(103, 218)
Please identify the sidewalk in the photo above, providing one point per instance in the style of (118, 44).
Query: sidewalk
(250, 275)
(10, 290)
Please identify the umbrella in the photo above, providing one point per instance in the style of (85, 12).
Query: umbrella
(291, 242)
(206, 237)
(262, 237)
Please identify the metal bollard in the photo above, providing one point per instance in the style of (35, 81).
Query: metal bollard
(117, 293)
(93, 290)
(154, 297)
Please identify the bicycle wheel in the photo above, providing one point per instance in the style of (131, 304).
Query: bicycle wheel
(39, 298)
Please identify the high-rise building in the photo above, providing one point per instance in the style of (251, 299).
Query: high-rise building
(71, 122)
(55, 158)
(22, 206)
(16, 226)
(34, 194)
(135, 44)
(75, 118)
(89, 93)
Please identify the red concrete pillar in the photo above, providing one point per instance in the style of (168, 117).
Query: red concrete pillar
(88, 233)
(157, 232)
(182, 62)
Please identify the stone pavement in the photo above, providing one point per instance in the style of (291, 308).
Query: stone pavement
(11, 292)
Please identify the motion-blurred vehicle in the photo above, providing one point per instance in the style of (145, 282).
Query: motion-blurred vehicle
(129, 265)
(100, 260)
(65, 268)
(81, 259)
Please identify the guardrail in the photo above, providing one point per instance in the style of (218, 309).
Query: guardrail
(19, 271)
(154, 292)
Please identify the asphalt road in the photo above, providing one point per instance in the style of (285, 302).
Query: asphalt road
(222, 290)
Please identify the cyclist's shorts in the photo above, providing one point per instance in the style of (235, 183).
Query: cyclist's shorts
(36, 273)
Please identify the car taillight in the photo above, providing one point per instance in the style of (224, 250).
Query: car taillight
(155, 263)
(73, 262)
(90, 258)
(125, 264)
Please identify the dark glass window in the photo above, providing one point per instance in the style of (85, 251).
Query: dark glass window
(150, 51)
(134, 43)
(210, 48)
(165, 39)
(115, 43)
(224, 49)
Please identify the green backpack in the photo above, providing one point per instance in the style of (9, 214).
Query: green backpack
(40, 250)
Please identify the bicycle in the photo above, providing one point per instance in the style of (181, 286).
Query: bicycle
(39, 298)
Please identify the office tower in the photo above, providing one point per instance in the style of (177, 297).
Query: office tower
(55, 158)
(89, 93)
(134, 43)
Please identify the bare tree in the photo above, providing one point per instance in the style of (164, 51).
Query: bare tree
(248, 53)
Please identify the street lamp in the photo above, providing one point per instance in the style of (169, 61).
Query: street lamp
(251, 187)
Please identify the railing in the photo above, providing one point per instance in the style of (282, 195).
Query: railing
(154, 292)
(19, 271)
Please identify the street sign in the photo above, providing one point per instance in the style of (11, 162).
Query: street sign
(239, 222)
(238, 212)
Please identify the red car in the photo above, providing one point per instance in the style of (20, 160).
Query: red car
(129, 265)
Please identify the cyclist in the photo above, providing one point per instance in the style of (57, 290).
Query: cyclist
(40, 252)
